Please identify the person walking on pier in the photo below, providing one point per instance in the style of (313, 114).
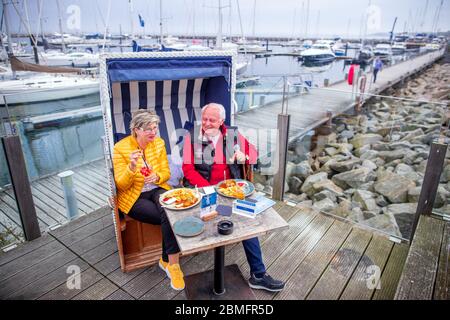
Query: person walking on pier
(377, 66)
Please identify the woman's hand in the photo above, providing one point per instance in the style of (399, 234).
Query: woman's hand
(152, 178)
(134, 156)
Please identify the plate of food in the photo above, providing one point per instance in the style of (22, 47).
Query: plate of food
(235, 188)
(180, 199)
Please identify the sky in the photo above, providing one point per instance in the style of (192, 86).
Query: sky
(287, 18)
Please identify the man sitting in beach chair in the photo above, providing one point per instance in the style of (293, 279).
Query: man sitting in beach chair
(224, 164)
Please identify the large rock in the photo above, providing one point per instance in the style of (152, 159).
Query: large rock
(407, 172)
(369, 165)
(347, 165)
(393, 186)
(329, 186)
(325, 205)
(366, 200)
(389, 156)
(325, 194)
(303, 170)
(354, 178)
(294, 184)
(365, 139)
(384, 222)
(307, 186)
(343, 209)
(404, 216)
(369, 155)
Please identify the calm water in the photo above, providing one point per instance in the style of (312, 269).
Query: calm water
(54, 149)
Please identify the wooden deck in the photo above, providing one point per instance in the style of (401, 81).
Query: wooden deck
(318, 257)
(310, 110)
(91, 188)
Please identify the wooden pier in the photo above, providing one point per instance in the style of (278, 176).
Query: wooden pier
(310, 109)
(91, 188)
(319, 257)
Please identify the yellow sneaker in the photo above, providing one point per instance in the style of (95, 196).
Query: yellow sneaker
(163, 265)
(176, 276)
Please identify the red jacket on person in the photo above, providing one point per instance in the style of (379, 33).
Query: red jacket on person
(220, 164)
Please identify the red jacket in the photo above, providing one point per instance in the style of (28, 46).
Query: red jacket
(220, 164)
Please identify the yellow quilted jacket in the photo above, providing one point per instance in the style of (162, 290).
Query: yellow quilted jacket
(129, 184)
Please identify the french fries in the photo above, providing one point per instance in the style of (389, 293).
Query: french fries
(231, 189)
(183, 197)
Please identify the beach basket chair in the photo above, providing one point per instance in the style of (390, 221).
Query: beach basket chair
(175, 85)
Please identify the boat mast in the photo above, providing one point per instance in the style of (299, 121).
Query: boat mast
(365, 26)
(130, 5)
(160, 23)
(8, 33)
(254, 18)
(307, 18)
(40, 19)
(219, 32)
(63, 47)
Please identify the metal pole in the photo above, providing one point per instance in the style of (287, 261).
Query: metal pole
(70, 197)
(219, 262)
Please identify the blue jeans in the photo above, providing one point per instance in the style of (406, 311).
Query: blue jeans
(254, 255)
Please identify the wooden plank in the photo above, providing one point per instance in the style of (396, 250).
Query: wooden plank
(108, 264)
(119, 295)
(55, 192)
(419, 273)
(100, 252)
(92, 184)
(10, 225)
(295, 252)
(89, 192)
(88, 276)
(105, 214)
(21, 186)
(24, 278)
(121, 278)
(23, 249)
(86, 231)
(335, 277)
(98, 291)
(377, 254)
(48, 201)
(30, 259)
(93, 241)
(48, 219)
(392, 273)
(51, 281)
(442, 285)
(310, 269)
(138, 286)
(82, 195)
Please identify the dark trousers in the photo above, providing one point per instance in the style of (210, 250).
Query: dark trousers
(148, 210)
(375, 72)
(254, 255)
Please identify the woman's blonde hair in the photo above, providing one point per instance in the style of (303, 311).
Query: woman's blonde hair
(141, 119)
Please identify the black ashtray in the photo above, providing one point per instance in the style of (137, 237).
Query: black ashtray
(225, 227)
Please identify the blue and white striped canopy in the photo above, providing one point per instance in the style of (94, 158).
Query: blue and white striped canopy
(177, 102)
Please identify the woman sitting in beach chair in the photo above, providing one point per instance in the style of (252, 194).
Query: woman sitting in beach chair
(141, 172)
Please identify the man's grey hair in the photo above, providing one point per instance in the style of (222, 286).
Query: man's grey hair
(218, 106)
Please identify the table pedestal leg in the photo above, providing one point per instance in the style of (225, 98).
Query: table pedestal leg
(210, 285)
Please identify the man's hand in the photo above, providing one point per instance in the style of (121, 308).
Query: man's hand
(152, 178)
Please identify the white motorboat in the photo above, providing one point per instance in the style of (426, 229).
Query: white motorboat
(251, 48)
(72, 59)
(383, 50)
(46, 88)
(67, 38)
(319, 53)
(398, 48)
